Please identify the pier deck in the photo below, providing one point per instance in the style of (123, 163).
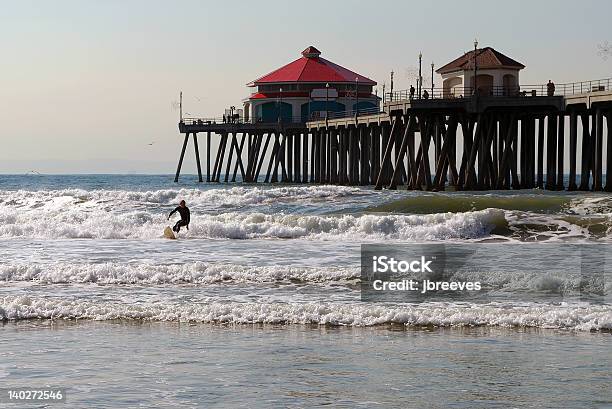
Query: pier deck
(467, 143)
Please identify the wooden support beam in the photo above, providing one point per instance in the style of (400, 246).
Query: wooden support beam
(468, 183)
(333, 156)
(386, 161)
(374, 154)
(313, 140)
(467, 128)
(341, 156)
(328, 153)
(197, 156)
(239, 160)
(540, 181)
(396, 150)
(561, 151)
(351, 157)
(214, 174)
(262, 156)
(289, 157)
(508, 154)
(305, 157)
(426, 129)
(273, 176)
(208, 156)
(444, 161)
(254, 157)
(364, 150)
(385, 167)
(523, 153)
(399, 158)
(608, 187)
(598, 166)
(323, 155)
(181, 157)
(297, 157)
(551, 147)
(221, 153)
(573, 142)
(586, 153)
(412, 171)
(233, 144)
(280, 160)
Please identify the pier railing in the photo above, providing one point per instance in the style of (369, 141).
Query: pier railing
(240, 120)
(314, 116)
(526, 90)
(440, 93)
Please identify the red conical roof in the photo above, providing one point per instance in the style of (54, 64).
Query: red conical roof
(312, 68)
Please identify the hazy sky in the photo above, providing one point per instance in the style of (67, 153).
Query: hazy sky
(85, 86)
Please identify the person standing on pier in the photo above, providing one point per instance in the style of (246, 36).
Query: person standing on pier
(550, 88)
(412, 92)
(183, 210)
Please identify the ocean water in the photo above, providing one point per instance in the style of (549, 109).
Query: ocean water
(258, 304)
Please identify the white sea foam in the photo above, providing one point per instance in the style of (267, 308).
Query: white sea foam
(522, 283)
(99, 224)
(574, 317)
(192, 273)
(106, 199)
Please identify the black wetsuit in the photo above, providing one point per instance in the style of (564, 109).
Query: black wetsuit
(185, 216)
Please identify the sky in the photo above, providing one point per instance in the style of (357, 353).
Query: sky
(91, 86)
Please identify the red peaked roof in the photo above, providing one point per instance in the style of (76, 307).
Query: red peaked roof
(312, 68)
(486, 58)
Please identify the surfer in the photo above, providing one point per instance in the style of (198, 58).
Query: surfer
(183, 210)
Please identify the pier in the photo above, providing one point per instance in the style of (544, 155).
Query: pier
(459, 138)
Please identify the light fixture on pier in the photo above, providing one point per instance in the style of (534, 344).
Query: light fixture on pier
(356, 96)
(420, 79)
(475, 49)
(432, 79)
(327, 101)
(280, 105)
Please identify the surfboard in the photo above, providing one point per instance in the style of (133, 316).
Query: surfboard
(168, 233)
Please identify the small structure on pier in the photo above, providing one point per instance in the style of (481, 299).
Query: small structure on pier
(309, 87)
(496, 74)
(496, 138)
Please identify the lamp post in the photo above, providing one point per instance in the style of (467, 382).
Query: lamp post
(326, 101)
(420, 79)
(356, 96)
(432, 80)
(475, 68)
(383, 99)
(280, 106)
(181, 105)
(391, 92)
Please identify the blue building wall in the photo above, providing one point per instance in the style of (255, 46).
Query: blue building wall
(317, 106)
(270, 112)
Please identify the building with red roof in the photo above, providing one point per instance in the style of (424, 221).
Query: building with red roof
(496, 73)
(308, 87)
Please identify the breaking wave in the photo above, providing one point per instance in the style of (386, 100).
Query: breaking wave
(199, 273)
(189, 273)
(573, 317)
(234, 225)
(457, 202)
(231, 197)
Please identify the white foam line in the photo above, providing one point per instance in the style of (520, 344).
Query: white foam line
(582, 318)
(189, 273)
(235, 196)
(233, 225)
